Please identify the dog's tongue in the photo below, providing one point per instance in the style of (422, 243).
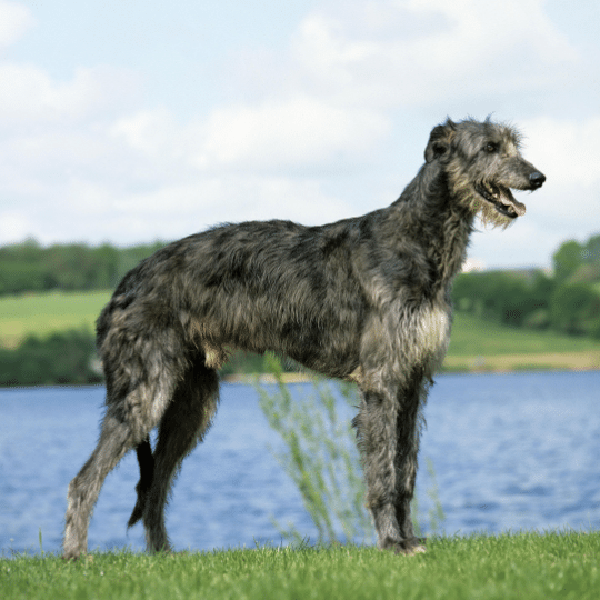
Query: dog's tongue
(515, 205)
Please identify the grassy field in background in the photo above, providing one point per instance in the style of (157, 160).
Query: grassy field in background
(478, 345)
(42, 314)
(524, 565)
(475, 345)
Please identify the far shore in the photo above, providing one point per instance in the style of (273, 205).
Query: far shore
(588, 360)
(502, 363)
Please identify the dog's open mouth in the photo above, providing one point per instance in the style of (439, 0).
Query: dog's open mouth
(502, 200)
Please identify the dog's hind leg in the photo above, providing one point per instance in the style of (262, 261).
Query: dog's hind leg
(115, 441)
(183, 425)
(146, 464)
(127, 422)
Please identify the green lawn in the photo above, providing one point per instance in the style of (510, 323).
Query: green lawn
(44, 313)
(473, 337)
(524, 566)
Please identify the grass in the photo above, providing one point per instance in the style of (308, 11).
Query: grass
(473, 337)
(503, 348)
(524, 565)
(42, 314)
(483, 345)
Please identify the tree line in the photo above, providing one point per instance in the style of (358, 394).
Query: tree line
(566, 301)
(30, 267)
(65, 357)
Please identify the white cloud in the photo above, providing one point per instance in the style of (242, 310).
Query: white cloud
(157, 148)
(174, 210)
(293, 133)
(14, 226)
(567, 152)
(280, 136)
(567, 148)
(440, 50)
(147, 131)
(15, 19)
(29, 96)
(288, 130)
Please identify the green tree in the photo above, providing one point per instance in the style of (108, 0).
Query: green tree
(505, 297)
(63, 357)
(575, 309)
(591, 252)
(567, 259)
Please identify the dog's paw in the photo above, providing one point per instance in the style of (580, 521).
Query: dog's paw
(407, 547)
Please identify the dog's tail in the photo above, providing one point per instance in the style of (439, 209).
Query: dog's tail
(146, 463)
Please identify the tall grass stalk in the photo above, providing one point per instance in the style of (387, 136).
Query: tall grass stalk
(320, 456)
(322, 459)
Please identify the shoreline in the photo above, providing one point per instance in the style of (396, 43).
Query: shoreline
(588, 360)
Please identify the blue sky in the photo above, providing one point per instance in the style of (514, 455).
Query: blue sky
(129, 121)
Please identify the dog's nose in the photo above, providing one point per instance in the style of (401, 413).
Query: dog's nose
(536, 179)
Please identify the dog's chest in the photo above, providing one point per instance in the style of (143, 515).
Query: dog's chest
(433, 332)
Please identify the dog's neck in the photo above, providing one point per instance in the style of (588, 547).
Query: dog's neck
(441, 220)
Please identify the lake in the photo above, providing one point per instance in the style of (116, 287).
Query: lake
(509, 452)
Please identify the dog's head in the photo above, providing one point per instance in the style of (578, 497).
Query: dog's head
(483, 163)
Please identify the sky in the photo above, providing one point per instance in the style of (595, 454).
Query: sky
(130, 121)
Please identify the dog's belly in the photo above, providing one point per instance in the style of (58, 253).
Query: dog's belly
(328, 343)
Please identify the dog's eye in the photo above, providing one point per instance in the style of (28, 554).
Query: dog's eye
(492, 147)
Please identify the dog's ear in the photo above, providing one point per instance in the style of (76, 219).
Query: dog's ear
(440, 140)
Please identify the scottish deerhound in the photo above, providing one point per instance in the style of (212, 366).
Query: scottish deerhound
(364, 299)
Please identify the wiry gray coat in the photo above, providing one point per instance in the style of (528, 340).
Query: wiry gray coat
(365, 299)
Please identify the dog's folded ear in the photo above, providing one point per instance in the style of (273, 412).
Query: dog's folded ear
(440, 139)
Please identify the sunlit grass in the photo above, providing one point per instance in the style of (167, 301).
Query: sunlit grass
(42, 314)
(524, 565)
(473, 337)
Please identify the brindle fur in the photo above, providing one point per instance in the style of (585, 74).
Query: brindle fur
(366, 299)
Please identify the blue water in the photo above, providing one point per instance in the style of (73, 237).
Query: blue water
(510, 452)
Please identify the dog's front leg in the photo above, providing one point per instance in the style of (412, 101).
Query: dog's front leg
(388, 432)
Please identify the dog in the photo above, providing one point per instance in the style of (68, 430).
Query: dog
(365, 299)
